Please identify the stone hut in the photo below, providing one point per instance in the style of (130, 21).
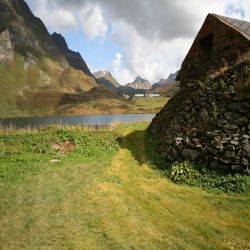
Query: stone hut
(208, 121)
(220, 44)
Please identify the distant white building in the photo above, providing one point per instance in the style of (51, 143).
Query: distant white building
(146, 95)
(154, 95)
(139, 95)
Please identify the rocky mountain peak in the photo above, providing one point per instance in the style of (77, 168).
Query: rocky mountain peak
(60, 42)
(74, 59)
(105, 78)
(138, 79)
(102, 73)
(140, 83)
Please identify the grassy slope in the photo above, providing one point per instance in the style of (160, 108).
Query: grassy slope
(45, 72)
(104, 197)
(153, 105)
(48, 73)
(105, 106)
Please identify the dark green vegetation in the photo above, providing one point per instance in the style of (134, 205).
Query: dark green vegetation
(27, 154)
(105, 193)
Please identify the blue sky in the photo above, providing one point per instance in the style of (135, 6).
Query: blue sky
(136, 37)
(97, 53)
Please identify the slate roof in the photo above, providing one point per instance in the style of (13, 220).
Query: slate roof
(240, 25)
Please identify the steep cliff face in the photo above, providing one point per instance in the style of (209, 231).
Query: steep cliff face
(73, 58)
(28, 34)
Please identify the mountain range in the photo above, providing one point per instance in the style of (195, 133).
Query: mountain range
(105, 78)
(38, 70)
(140, 83)
(163, 83)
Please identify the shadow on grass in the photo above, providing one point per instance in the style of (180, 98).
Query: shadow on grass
(134, 142)
(143, 148)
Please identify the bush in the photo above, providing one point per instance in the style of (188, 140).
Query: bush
(187, 173)
(182, 173)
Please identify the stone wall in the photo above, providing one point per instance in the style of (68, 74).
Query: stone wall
(216, 48)
(209, 123)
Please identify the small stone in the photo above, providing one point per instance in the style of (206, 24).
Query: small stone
(230, 147)
(178, 143)
(225, 161)
(210, 134)
(214, 164)
(229, 154)
(236, 135)
(225, 141)
(247, 171)
(234, 106)
(236, 143)
(217, 143)
(54, 161)
(189, 154)
(245, 136)
(174, 153)
(229, 116)
(236, 167)
(187, 140)
(178, 139)
(242, 121)
(245, 162)
(231, 127)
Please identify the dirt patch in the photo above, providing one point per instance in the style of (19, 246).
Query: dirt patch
(63, 147)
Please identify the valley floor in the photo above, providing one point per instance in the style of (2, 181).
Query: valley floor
(105, 196)
(101, 106)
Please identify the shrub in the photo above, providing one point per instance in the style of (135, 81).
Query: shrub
(182, 173)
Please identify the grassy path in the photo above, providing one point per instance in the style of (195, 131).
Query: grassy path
(120, 205)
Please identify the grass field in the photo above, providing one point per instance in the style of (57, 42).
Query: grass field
(102, 194)
(105, 106)
(101, 106)
(147, 105)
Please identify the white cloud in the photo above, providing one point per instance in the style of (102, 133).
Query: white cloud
(121, 74)
(60, 20)
(92, 22)
(151, 59)
(154, 35)
(245, 4)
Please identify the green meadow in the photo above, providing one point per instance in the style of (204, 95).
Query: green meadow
(79, 188)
